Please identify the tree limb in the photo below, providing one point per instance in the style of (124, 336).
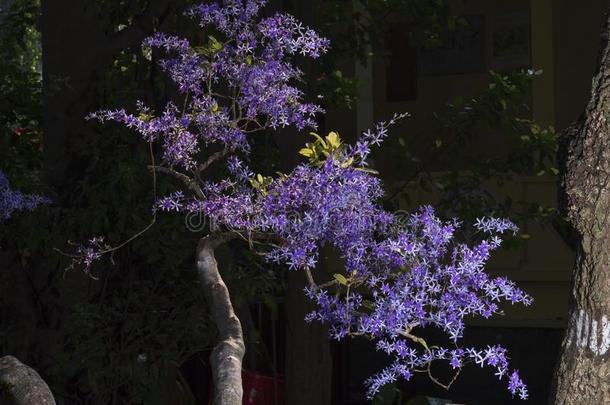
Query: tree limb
(213, 158)
(189, 182)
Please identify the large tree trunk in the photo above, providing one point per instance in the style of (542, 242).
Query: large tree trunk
(227, 356)
(582, 375)
(21, 385)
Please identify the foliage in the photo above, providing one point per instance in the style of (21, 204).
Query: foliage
(399, 275)
(20, 93)
(358, 31)
(142, 331)
(20, 90)
(459, 172)
(424, 20)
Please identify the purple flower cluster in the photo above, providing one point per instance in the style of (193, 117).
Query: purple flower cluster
(375, 137)
(411, 360)
(495, 225)
(11, 200)
(252, 60)
(327, 205)
(86, 254)
(418, 276)
(400, 274)
(516, 385)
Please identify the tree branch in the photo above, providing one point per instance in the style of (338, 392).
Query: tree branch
(189, 182)
(213, 158)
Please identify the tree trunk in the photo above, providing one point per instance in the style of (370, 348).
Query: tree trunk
(582, 375)
(227, 356)
(21, 385)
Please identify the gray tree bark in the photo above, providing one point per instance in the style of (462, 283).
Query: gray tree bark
(227, 356)
(582, 374)
(21, 385)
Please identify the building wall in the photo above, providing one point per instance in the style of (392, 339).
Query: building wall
(576, 40)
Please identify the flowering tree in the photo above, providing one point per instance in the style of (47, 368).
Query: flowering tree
(401, 274)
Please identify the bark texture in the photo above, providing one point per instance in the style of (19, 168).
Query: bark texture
(582, 375)
(227, 356)
(21, 385)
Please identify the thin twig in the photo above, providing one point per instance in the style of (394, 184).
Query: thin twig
(310, 279)
(328, 284)
(436, 381)
(213, 158)
(135, 236)
(189, 182)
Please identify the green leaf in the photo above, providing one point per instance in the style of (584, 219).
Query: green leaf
(307, 152)
(368, 304)
(319, 139)
(333, 139)
(214, 45)
(366, 170)
(145, 117)
(340, 278)
(347, 163)
(147, 53)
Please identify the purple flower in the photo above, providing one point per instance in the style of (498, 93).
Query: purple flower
(516, 385)
(11, 200)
